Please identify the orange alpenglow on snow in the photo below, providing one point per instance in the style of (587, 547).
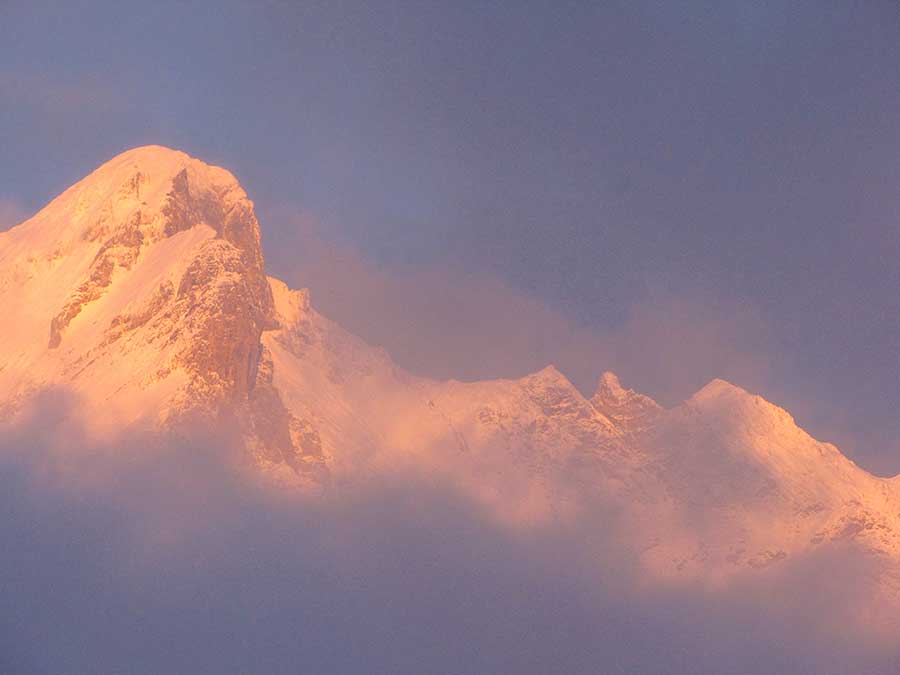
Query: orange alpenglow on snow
(141, 292)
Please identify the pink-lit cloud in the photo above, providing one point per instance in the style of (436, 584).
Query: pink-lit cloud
(448, 322)
(150, 562)
(57, 97)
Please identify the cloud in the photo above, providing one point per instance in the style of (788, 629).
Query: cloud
(12, 212)
(148, 555)
(55, 97)
(448, 322)
(69, 117)
(169, 561)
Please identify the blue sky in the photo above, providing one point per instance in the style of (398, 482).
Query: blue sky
(676, 191)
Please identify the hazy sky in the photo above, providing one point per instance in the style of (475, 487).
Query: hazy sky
(676, 191)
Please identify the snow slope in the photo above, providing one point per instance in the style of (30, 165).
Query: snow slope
(140, 294)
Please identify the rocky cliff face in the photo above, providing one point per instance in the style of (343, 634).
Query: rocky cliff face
(168, 305)
(629, 410)
(221, 301)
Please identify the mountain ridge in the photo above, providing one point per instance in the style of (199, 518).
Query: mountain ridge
(142, 289)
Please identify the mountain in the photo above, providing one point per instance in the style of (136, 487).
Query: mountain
(140, 294)
(140, 291)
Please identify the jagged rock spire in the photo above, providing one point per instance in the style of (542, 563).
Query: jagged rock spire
(625, 407)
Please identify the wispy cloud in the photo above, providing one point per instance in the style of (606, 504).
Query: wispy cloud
(448, 322)
(12, 212)
(53, 95)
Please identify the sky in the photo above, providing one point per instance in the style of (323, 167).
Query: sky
(674, 191)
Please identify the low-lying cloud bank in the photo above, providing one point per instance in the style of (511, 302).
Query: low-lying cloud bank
(147, 557)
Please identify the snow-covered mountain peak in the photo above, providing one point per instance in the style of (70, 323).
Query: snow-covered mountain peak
(718, 387)
(108, 224)
(609, 386)
(737, 406)
(147, 276)
(158, 166)
(151, 189)
(290, 305)
(628, 409)
(548, 375)
(554, 391)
